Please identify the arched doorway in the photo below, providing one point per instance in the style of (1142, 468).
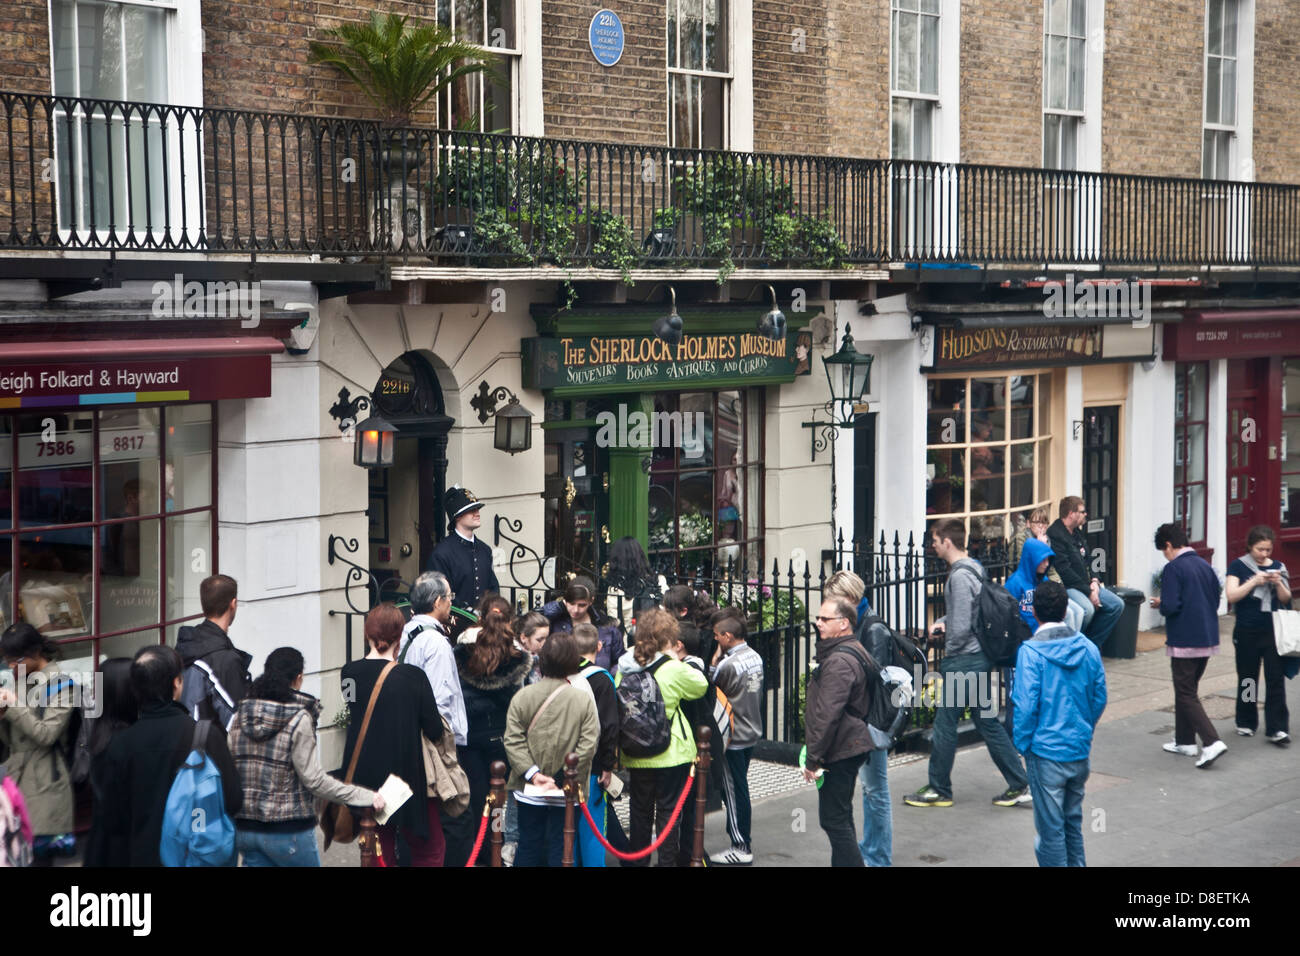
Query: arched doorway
(405, 508)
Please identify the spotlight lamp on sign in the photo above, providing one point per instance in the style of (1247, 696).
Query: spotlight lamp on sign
(374, 444)
(669, 328)
(772, 325)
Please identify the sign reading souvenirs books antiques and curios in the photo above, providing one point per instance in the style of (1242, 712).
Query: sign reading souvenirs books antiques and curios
(579, 365)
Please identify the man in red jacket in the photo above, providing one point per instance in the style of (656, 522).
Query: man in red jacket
(834, 727)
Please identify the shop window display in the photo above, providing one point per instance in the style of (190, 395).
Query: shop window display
(114, 527)
(988, 441)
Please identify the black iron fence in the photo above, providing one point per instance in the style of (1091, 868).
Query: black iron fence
(904, 586)
(111, 175)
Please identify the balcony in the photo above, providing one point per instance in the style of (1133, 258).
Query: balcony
(153, 184)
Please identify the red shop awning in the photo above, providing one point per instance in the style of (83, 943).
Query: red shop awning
(59, 373)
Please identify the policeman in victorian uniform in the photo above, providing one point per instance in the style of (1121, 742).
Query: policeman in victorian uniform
(465, 560)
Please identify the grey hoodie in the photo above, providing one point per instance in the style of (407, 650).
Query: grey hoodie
(960, 596)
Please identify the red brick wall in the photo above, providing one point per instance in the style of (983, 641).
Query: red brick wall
(1152, 87)
(25, 46)
(1001, 106)
(627, 102)
(790, 77)
(1277, 91)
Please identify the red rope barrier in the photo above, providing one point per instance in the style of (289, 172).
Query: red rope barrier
(482, 831)
(641, 854)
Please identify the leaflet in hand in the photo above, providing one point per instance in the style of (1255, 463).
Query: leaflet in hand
(395, 793)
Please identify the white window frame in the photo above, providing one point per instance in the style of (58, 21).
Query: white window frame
(511, 65)
(184, 38)
(1077, 116)
(1234, 201)
(728, 76)
(938, 185)
(1084, 194)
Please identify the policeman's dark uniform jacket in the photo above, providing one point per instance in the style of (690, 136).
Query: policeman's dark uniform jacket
(467, 564)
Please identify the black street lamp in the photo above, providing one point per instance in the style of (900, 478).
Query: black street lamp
(848, 372)
(514, 428)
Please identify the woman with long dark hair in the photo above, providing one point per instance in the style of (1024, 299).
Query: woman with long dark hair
(577, 605)
(630, 581)
(118, 709)
(1256, 586)
(492, 670)
(273, 743)
(33, 730)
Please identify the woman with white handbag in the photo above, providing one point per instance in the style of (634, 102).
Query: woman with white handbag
(1257, 587)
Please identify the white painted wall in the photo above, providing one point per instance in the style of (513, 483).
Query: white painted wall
(1216, 498)
(1147, 489)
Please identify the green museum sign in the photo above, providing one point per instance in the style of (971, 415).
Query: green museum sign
(578, 365)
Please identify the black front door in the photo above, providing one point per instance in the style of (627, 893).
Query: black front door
(864, 481)
(576, 503)
(1100, 486)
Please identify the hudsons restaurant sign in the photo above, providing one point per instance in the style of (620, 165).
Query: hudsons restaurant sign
(611, 363)
(1037, 345)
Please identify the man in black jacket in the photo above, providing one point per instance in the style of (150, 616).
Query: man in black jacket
(1101, 608)
(215, 671)
(461, 556)
(143, 759)
(835, 728)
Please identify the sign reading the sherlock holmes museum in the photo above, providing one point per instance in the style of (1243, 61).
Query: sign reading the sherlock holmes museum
(1032, 345)
(606, 363)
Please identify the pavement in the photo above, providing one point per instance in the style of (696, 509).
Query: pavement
(1143, 807)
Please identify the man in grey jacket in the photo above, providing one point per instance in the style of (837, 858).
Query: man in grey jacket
(966, 680)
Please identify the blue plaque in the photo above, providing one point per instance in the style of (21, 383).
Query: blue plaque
(606, 37)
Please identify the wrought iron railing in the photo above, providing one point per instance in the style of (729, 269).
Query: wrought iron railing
(109, 175)
(905, 586)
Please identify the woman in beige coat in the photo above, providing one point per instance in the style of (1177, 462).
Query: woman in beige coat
(34, 720)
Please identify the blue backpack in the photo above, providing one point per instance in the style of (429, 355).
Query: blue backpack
(196, 829)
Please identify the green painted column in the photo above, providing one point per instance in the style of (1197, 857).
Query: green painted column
(629, 486)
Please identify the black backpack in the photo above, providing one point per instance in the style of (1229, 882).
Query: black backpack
(893, 693)
(997, 623)
(643, 728)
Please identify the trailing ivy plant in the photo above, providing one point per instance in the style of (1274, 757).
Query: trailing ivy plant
(614, 246)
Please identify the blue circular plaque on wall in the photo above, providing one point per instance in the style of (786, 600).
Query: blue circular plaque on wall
(606, 37)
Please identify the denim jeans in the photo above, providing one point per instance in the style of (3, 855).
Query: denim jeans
(835, 810)
(944, 746)
(877, 843)
(261, 848)
(541, 836)
(1098, 622)
(1058, 809)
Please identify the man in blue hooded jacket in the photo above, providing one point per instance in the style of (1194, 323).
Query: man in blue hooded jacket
(1059, 695)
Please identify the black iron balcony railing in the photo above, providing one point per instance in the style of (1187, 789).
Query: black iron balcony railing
(105, 175)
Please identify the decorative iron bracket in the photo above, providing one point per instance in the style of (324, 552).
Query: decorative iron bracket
(485, 402)
(828, 429)
(356, 573)
(348, 411)
(520, 550)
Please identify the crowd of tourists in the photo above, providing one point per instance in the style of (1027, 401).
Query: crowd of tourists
(176, 731)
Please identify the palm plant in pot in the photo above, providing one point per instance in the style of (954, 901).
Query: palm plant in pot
(400, 66)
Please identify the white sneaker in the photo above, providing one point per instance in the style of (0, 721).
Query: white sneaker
(1245, 732)
(508, 853)
(736, 856)
(1187, 750)
(1281, 738)
(1212, 753)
